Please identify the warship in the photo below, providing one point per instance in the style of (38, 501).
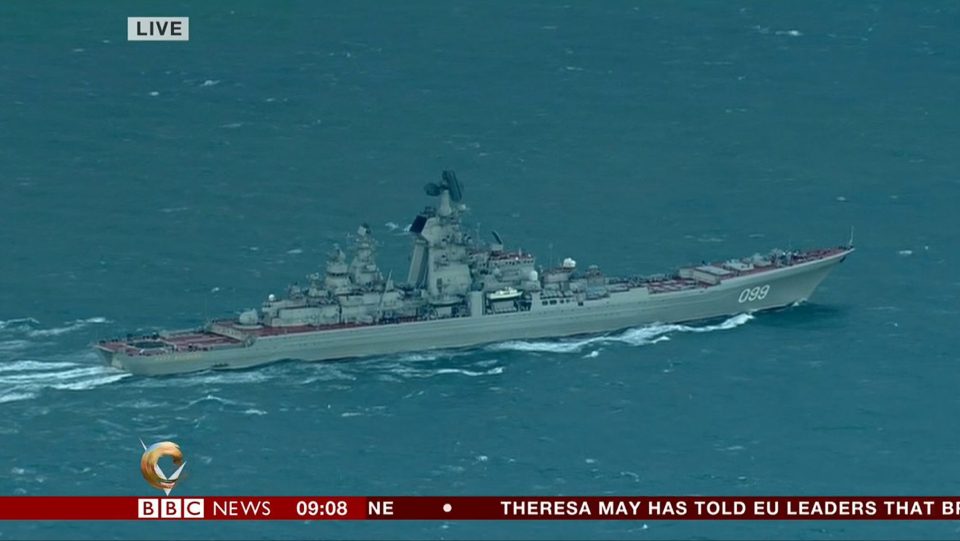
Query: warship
(461, 292)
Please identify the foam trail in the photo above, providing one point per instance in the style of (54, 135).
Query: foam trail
(90, 383)
(25, 379)
(429, 373)
(51, 377)
(419, 357)
(640, 336)
(208, 378)
(33, 365)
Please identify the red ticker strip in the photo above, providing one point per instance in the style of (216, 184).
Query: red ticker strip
(318, 508)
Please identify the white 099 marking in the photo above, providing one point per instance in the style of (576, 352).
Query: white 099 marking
(754, 294)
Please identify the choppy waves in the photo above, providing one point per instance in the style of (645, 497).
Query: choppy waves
(29, 326)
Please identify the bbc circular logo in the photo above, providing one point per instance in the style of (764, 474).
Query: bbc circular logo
(150, 465)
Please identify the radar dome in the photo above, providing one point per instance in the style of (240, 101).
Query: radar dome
(533, 276)
(248, 317)
(569, 263)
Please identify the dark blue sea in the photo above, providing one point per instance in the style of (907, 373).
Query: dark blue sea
(147, 186)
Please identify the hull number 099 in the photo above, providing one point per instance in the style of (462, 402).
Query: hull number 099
(754, 293)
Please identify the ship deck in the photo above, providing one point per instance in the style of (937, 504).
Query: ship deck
(724, 271)
(156, 344)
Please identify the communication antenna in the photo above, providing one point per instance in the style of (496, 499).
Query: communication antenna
(383, 293)
(850, 242)
(497, 237)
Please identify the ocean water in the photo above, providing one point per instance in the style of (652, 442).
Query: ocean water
(154, 185)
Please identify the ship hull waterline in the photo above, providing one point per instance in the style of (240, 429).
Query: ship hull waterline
(637, 307)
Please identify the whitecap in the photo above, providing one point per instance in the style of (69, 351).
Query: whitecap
(253, 411)
(473, 374)
(18, 322)
(69, 327)
(210, 82)
(295, 251)
(13, 397)
(14, 345)
(211, 398)
(905, 252)
(55, 331)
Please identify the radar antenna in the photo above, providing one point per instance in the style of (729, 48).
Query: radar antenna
(448, 182)
(433, 189)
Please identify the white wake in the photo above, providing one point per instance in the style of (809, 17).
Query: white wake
(640, 336)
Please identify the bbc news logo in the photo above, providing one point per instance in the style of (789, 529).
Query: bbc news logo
(170, 508)
(158, 28)
(150, 468)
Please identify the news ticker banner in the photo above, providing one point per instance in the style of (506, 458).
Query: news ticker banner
(479, 508)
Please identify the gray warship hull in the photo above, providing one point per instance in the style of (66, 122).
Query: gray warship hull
(727, 292)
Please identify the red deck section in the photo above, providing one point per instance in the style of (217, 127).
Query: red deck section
(156, 345)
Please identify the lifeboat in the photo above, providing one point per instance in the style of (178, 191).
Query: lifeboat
(504, 294)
